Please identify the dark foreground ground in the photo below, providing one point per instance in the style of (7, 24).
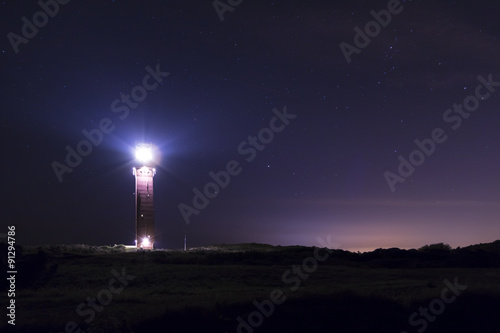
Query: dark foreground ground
(255, 288)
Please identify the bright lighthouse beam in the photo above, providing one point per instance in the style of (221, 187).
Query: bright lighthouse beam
(143, 154)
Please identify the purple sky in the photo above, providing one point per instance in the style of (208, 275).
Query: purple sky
(321, 173)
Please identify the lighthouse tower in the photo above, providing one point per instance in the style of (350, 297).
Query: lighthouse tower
(144, 197)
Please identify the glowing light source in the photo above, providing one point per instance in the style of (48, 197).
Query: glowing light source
(143, 153)
(145, 242)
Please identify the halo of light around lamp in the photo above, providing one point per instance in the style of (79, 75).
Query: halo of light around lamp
(143, 154)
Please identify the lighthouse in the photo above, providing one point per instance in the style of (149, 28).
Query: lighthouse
(144, 197)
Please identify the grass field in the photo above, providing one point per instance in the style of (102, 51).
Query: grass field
(208, 289)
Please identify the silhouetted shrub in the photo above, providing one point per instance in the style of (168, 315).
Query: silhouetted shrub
(435, 247)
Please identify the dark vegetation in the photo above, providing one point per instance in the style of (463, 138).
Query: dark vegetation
(207, 289)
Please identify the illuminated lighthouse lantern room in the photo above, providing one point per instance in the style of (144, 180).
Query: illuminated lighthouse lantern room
(144, 208)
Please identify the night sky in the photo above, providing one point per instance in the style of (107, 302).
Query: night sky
(206, 91)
